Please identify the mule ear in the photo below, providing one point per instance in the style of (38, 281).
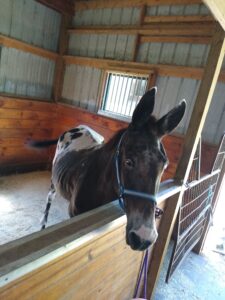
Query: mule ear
(144, 108)
(170, 121)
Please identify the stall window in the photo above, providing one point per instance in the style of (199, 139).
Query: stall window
(121, 94)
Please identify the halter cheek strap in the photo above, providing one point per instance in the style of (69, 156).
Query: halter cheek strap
(123, 191)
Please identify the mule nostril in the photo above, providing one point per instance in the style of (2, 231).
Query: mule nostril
(146, 244)
(137, 243)
(134, 240)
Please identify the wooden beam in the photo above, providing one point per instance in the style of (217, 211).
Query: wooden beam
(204, 97)
(152, 80)
(16, 44)
(26, 103)
(178, 29)
(217, 8)
(62, 6)
(182, 19)
(161, 245)
(176, 39)
(202, 103)
(95, 4)
(109, 64)
(60, 66)
(144, 68)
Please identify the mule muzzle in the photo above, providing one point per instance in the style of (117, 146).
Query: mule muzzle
(137, 243)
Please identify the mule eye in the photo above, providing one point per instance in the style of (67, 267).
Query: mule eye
(129, 163)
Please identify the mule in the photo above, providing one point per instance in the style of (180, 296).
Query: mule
(90, 173)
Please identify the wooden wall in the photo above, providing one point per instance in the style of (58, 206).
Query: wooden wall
(69, 117)
(19, 121)
(172, 38)
(81, 260)
(24, 119)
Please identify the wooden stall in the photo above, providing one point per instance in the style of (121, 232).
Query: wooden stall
(85, 257)
(53, 76)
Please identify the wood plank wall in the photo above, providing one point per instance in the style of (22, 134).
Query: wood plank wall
(19, 121)
(102, 267)
(69, 117)
(24, 119)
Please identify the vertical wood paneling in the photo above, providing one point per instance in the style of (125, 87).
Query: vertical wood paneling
(130, 44)
(193, 55)
(31, 22)
(119, 47)
(177, 10)
(104, 16)
(112, 46)
(84, 42)
(171, 90)
(167, 53)
(127, 16)
(81, 86)
(100, 50)
(25, 74)
(215, 121)
(93, 43)
(5, 16)
(165, 10)
(181, 53)
(197, 56)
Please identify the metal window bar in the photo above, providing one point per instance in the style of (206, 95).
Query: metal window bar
(122, 93)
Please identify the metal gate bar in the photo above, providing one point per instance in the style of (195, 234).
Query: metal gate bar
(196, 204)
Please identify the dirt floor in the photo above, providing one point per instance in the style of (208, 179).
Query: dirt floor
(199, 277)
(22, 202)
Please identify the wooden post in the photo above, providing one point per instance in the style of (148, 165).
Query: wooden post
(152, 80)
(160, 248)
(203, 100)
(217, 8)
(60, 66)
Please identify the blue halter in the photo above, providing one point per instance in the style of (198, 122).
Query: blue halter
(123, 191)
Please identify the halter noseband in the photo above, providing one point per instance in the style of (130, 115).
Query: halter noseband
(122, 190)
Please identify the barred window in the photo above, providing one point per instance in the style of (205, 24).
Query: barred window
(122, 93)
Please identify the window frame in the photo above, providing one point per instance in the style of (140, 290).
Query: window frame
(148, 74)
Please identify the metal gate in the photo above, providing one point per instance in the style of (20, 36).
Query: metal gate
(195, 207)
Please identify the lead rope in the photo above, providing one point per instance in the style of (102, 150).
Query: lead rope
(144, 269)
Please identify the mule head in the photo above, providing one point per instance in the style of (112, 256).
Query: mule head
(142, 162)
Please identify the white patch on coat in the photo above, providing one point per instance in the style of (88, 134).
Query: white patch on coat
(88, 139)
(146, 233)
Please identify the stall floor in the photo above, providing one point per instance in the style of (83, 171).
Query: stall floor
(199, 277)
(22, 203)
